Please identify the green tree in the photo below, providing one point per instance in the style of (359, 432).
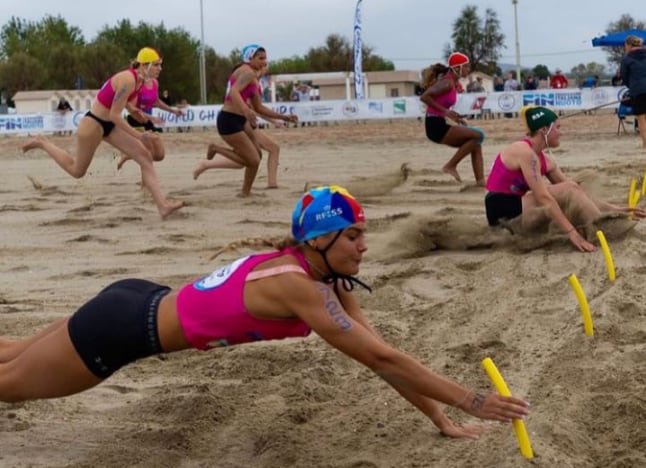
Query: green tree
(178, 49)
(337, 55)
(218, 70)
(50, 50)
(541, 72)
(479, 38)
(22, 72)
(625, 22)
(100, 60)
(581, 71)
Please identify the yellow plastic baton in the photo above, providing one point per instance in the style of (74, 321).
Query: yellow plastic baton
(583, 303)
(631, 192)
(519, 425)
(606, 253)
(635, 199)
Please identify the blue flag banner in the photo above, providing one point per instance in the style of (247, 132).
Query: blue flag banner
(358, 68)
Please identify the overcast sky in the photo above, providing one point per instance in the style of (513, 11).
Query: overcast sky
(410, 33)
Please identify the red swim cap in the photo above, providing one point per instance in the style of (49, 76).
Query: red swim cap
(457, 59)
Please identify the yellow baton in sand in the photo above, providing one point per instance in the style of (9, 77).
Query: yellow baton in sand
(583, 303)
(519, 426)
(606, 253)
(631, 192)
(633, 195)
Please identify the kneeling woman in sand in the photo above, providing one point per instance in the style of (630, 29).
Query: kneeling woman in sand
(516, 188)
(104, 122)
(241, 103)
(303, 286)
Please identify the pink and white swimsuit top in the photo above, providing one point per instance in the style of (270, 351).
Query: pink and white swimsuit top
(446, 100)
(106, 94)
(511, 182)
(212, 312)
(147, 97)
(246, 93)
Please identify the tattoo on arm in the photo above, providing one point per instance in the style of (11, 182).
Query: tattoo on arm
(334, 309)
(478, 402)
(535, 172)
(119, 93)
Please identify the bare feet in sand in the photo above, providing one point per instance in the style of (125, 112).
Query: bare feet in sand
(170, 207)
(452, 171)
(201, 167)
(36, 142)
(210, 153)
(122, 161)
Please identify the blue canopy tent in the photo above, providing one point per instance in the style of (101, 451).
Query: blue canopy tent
(617, 39)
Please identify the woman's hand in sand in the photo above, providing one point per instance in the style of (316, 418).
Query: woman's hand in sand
(579, 242)
(468, 431)
(495, 407)
(635, 212)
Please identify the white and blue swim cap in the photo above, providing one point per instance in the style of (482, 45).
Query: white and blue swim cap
(249, 51)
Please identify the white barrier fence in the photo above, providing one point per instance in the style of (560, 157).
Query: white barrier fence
(366, 109)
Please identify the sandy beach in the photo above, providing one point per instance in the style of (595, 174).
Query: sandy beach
(446, 288)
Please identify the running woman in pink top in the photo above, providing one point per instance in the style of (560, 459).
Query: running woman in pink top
(516, 186)
(260, 139)
(241, 104)
(104, 122)
(440, 95)
(305, 285)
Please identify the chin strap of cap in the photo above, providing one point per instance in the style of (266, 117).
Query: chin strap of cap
(347, 281)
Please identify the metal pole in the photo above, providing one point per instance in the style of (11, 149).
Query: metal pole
(515, 3)
(202, 59)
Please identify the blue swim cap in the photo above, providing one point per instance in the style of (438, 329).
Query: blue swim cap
(323, 210)
(248, 52)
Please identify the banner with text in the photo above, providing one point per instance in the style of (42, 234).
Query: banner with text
(340, 110)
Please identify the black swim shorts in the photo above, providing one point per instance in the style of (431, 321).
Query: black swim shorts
(436, 128)
(502, 206)
(230, 123)
(118, 326)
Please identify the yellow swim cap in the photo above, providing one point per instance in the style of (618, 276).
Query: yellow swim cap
(147, 55)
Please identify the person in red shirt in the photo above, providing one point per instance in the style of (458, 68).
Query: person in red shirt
(558, 80)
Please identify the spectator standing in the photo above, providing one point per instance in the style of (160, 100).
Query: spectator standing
(63, 108)
(510, 83)
(558, 80)
(498, 84)
(165, 98)
(616, 79)
(530, 83)
(633, 72)
(475, 86)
